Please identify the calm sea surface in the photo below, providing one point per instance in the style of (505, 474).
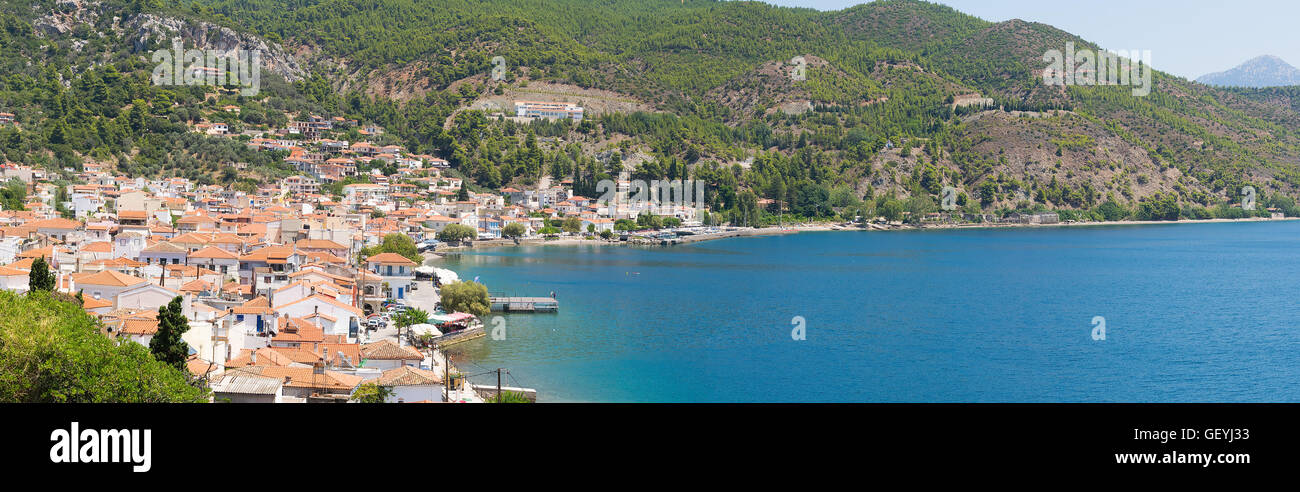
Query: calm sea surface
(1193, 313)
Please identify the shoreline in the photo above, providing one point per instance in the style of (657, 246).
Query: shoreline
(799, 228)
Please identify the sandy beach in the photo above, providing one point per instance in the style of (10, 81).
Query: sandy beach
(797, 228)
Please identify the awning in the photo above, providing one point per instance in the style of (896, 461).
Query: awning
(449, 318)
(446, 276)
(424, 329)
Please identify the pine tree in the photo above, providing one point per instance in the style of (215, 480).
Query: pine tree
(167, 345)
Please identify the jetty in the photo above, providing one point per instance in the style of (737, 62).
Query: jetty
(513, 304)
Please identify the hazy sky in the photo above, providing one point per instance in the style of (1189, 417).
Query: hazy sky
(1188, 38)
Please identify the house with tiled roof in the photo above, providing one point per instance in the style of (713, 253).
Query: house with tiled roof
(164, 253)
(298, 333)
(322, 246)
(347, 318)
(387, 354)
(217, 260)
(146, 295)
(14, 280)
(397, 271)
(245, 386)
(262, 356)
(138, 326)
(268, 268)
(96, 306)
(411, 384)
(104, 285)
(64, 230)
(196, 222)
(308, 385)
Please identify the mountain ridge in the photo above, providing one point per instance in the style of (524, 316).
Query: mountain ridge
(1259, 72)
(709, 99)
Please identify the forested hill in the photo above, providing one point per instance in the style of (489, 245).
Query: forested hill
(892, 105)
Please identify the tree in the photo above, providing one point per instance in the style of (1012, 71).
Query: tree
(395, 243)
(40, 278)
(53, 352)
(372, 393)
(747, 211)
(892, 210)
(918, 206)
(571, 225)
(408, 318)
(456, 233)
(466, 297)
(166, 345)
(1161, 206)
(514, 229)
(1111, 211)
(463, 194)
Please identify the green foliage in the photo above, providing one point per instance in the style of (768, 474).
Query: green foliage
(13, 196)
(747, 213)
(1162, 206)
(457, 232)
(571, 225)
(53, 352)
(513, 230)
(508, 397)
(411, 317)
(649, 221)
(394, 243)
(465, 297)
(1111, 211)
(371, 393)
(892, 210)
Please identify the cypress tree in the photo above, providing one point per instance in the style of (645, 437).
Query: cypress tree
(40, 278)
(167, 345)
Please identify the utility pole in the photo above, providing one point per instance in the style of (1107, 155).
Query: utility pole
(446, 377)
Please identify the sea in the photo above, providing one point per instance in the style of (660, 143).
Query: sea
(1203, 312)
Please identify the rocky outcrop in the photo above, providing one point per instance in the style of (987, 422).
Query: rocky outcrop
(152, 31)
(208, 36)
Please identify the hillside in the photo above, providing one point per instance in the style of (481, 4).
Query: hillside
(700, 89)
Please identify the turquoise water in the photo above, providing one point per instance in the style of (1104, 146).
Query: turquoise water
(1193, 312)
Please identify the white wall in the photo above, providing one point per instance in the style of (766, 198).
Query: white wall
(414, 393)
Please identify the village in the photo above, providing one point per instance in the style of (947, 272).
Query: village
(280, 305)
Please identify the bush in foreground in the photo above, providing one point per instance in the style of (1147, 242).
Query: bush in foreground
(52, 352)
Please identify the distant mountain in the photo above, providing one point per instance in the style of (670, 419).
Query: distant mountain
(1263, 71)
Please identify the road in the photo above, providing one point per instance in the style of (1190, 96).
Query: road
(424, 297)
